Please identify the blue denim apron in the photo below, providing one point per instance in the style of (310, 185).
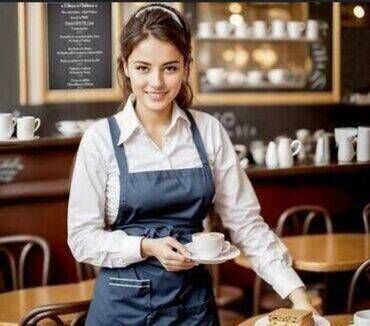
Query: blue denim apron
(157, 204)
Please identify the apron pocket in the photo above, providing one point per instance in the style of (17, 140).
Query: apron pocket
(132, 294)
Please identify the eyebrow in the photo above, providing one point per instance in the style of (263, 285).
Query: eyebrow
(166, 63)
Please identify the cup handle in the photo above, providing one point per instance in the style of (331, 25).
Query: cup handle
(37, 123)
(14, 122)
(302, 26)
(296, 143)
(226, 246)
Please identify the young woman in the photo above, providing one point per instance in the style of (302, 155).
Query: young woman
(144, 180)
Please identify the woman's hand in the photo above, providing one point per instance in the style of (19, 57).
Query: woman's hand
(300, 300)
(164, 250)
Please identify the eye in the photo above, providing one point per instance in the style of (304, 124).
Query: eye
(142, 68)
(171, 68)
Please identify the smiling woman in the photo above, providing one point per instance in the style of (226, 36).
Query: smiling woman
(144, 181)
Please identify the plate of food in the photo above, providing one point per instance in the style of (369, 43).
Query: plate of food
(291, 317)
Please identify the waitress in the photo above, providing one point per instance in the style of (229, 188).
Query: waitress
(144, 180)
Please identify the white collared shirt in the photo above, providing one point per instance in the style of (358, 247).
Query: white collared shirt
(94, 195)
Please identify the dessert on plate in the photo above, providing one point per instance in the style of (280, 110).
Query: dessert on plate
(290, 317)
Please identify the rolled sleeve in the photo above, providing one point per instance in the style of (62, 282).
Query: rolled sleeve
(237, 205)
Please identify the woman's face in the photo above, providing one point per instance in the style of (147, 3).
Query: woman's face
(156, 70)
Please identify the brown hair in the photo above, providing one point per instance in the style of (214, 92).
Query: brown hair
(151, 20)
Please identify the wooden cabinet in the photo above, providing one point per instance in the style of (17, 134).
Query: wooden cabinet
(265, 53)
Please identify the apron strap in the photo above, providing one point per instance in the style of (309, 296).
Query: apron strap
(120, 154)
(200, 147)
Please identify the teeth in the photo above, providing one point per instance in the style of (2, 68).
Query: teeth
(156, 96)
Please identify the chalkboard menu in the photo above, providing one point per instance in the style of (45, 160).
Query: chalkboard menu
(79, 45)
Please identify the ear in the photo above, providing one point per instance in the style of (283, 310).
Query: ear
(125, 68)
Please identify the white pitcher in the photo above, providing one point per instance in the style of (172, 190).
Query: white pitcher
(271, 158)
(346, 151)
(286, 151)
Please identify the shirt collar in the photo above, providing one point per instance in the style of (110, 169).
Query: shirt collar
(128, 121)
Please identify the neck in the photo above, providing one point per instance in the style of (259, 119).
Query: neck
(152, 119)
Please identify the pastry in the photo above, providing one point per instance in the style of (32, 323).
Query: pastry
(290, 317)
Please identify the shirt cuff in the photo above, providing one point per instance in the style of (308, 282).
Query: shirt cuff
(130, 252)
(283, 278)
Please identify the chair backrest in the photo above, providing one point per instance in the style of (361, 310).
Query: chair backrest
(55, 311)
(28, 242)
(310, 212)
(86, 271)
(365, 267)
(366, 217)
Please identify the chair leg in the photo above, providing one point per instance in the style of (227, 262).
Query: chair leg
(257, 295)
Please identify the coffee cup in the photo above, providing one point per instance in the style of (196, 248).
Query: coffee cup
(216, 76)
(205, 29)
(312, 29)
(68, 127)
(223, 28)
(295, 29)
(209, 245)
(258, 154)
(254, 76)
(26, 127)
(241, 30)
(278, 28)
(362, 318)
(7, 123)
(259, 29)
(363, 144)
(277, 76)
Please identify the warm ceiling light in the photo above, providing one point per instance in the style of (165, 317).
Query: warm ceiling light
(228, 55)
(236, 19)
(235, 8)
(359, 12)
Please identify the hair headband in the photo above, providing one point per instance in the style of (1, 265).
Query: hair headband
(171, 13)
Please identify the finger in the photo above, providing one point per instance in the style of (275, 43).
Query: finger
(180, 247)
(176, 263)
(172, 255)
(177, 268)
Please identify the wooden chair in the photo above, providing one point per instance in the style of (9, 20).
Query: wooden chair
(270, 300)
(54, 311)
(364, 268)
(366, 217)
(28, 242)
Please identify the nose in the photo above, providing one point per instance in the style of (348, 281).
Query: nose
(156, 80)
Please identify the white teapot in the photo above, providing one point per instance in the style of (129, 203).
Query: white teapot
(286, 151)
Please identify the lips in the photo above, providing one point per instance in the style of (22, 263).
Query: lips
(156, 96)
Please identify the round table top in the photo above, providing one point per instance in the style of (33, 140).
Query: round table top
(325, 252)
(15, 304)
(335, 320)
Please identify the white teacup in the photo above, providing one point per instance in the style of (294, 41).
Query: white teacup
(344, 132)
(205, 29)
(209, 244)
(254, 76)
(278, 28)
(363, 144)
(223, 28)
(216, 76)
(362, 318)
(277, 76)
(241, 30)
(312, 29)
(26, 127)
(68, 127)
(7, 123)
(259, 29)
(295, 29)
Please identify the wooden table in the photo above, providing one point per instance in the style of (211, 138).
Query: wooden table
(335, 320)
(15, 304)
(336, 252)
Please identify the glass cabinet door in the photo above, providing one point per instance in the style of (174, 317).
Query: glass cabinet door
(265, 53)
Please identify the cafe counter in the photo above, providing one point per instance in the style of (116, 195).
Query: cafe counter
(34, 188)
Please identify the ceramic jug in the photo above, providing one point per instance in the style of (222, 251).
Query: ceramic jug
(286, 151)
(346, 151)
(271, 158)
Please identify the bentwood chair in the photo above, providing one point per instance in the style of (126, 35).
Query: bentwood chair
(362, 274)
(12, 245)
(55, 311)
(268, 299)
(86, 271)
(366, 217)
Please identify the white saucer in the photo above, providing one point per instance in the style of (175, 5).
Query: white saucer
(319, 321)
(232, 253)
(15, 139)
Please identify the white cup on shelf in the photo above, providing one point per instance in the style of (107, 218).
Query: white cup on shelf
(259, 29)
(278, 28)
(312, 29)
(295, 29)
(223, 28)
(27, 126)
(7, 124)
(363, 144)
(205, 29)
